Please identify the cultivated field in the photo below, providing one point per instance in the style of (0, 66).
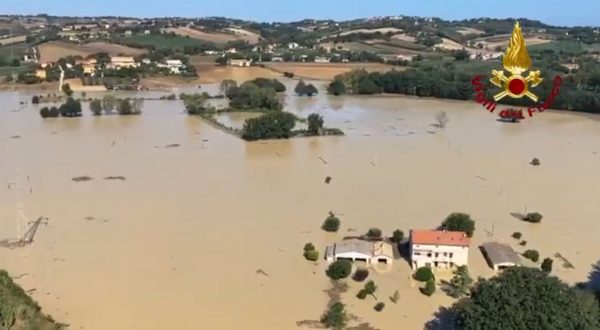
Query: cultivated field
(215, 37)
(54, 50)
(209, 72)
(381, 30)
(467, 30)
(13, 40)
(161, 41)
(326, 71)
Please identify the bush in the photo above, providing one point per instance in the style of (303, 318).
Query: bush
(312, 255)
(547, 265)
(309, 247)
(66, 88)
(395, 297)
(335, 317)
(288, 74)
(337, 87)
(379, 306)
(360, 274)
(45, 112)
(71, 108)
(339, 269)
(374, 233)
(517, 235)
(533, 217)
(362, 294)
(429, 288)
(459, 222)
(273, 125)
(397, 236)
(523, 243)
(370, 287)
(35, 99)
(424, 274)
(331, 224)
(532, 255)
(54, 112)
(535, 162)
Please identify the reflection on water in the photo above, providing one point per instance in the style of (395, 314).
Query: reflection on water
(192, 224)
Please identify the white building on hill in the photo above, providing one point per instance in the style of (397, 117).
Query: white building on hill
(360, 250)
(438, 249)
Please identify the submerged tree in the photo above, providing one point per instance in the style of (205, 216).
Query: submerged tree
(459, 222)
(460, 283)
(335, 317)
(315, 124)
(441, 119)
(526, 298)
(96, 107)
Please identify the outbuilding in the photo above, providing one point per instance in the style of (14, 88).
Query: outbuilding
(360, 250)
(500, 256)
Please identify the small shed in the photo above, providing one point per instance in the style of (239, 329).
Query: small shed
(360, 250)
(500, 256)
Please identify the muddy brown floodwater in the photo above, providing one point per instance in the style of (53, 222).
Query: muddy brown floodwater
(177, 245)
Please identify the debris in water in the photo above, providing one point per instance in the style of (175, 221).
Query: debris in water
(323, 160)
(90, 218)
(566, 263)
(122, 178)
(262, 272)
(173, 145)
(113, 144)
(20, 276)
(481, 178)
(82, 178)
(15, 137)
(328, 180)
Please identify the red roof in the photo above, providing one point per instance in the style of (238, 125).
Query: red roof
(439, 237)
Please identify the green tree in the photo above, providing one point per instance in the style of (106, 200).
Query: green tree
(309, 247)
(312, 255)
(370, 288)
(339, 269)
(461, 55)
(272, 125)
(226, 85)
(303, 89)
(367, 87)
(45, 112)
(429, 288)
(459, 222)
(517, 235)
(221, 60)
(66, 88)
(96, 107)
(335, 317)
(108, 104)
(374, 233)
(196, 104)
(379, 306)
(35, 99)
(71, 108)
(337, 87)
(547, 265)
(526, 298)
(315, 124)
(532, 255)
(397, 236)
(424, 274)
(124, 107)
(460, 283)
(331, 223)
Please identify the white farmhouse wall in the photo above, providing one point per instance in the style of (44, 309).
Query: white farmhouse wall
(421, 255)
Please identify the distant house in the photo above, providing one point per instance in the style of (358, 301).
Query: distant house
(41, 73)
(128, 33)
(322, 59)
(239, 62)
(293, 45)
(500, 256)
(231, 51)
(438, 248)
(146, 31)
(89, 66)
(277, 59)
(118, 62)
(175, 66)
(407, 58)
(360, 250)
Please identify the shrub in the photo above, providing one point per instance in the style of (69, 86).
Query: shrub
(335, 317)
(459, 222)
(535, 162)
(429, 288)
(71, 108)
(517, 235)
(309, 247)
(315, 123)
(337, 87)
(395, 297)
(547, 265)
(379, 306)
(360, 274)
(532, 255)
(54, 112)
(362, 294)
(424, 274)
(370, 287)
(523, 243)
(288, 74)
(374, 233)
(66, 88)
(339, 269)
(331, 224)
(533, 217)
(96, 107)
(35, 99)
(312, 255)
(397, 236)
(45, 112)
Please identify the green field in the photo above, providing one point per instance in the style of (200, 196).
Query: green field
(160, 41)
(566, 46)
(13, 51)
(6, 70)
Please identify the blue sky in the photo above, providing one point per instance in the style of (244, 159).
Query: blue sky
(573, 12)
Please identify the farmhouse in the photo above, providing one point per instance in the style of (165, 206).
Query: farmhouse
(40, 73)
(174, 66)
(500, 256)
(240, 62)
(119, 62)
(438, 249)
(322, 59)
(360, 250)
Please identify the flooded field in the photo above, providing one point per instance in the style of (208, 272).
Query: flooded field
(182, 226)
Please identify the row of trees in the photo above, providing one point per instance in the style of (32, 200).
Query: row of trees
(71, 108)
(259, 94)
(109, 104)
(578, 92)
(196, 104)
(272, 125)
